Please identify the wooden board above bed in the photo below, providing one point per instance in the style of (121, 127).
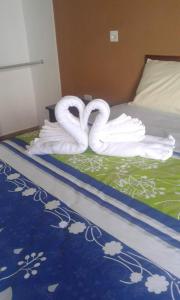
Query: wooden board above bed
(162, 57)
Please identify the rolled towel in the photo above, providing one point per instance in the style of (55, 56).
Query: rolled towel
(131, 149)
(148, 147)
(161, 140)
(68, 136)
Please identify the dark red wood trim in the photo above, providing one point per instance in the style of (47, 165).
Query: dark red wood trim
(13, 134)
(163, 57)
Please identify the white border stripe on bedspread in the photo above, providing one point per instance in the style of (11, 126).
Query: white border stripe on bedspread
(132, 212)
(153, 248)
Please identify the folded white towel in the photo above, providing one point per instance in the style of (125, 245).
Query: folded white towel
(149, 146)
(68, 136)
(52, 130)
(161, 140)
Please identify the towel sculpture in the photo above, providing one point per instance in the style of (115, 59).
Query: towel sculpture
(123, 136)
(70, 134)
(101, 137)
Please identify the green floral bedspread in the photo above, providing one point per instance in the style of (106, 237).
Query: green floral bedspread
(152, 182)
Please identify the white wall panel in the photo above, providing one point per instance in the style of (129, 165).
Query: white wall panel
(17, 99)
(40, 28)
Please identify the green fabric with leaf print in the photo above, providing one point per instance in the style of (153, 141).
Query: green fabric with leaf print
(153, 182)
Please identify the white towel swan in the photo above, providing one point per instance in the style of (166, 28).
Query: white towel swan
(149, 146)
(122, 129)
(67, 136)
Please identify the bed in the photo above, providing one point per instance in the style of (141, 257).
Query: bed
(88, 226)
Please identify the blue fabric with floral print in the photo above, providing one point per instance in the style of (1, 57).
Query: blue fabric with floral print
(49, 251)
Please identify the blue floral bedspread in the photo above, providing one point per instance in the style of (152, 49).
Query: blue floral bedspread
(60, 240)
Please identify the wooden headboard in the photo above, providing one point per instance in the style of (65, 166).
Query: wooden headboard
(162, 57)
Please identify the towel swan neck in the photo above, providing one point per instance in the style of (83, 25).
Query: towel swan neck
(103, 113)
(99, 122)
(71, 123)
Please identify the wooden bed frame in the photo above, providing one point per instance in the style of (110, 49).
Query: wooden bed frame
(13, 134)
(162, 57)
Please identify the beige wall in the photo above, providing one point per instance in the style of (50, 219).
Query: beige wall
(90, 64)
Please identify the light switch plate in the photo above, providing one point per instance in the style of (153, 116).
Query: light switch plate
(114, 36)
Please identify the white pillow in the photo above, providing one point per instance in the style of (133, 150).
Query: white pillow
(159, 87)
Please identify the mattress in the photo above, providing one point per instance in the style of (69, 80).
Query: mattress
(88, 226)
